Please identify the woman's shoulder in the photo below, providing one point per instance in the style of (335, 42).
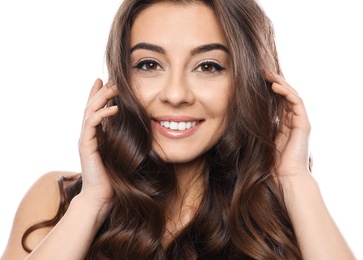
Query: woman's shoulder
(40, 203)
(43, 197)
(56, 175)
(46, 189)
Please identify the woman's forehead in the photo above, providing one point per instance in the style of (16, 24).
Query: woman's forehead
(167, 23)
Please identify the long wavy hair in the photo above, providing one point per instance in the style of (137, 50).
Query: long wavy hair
(242, 214)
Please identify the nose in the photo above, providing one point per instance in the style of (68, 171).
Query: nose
(177, 90)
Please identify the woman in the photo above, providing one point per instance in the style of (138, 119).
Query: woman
(195, 148)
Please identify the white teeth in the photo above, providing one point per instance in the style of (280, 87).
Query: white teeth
(182, 126)
(178, 125)
(173, 125)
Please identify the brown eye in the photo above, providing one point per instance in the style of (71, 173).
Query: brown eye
(206, 67)
(209, 67)
(148, 65)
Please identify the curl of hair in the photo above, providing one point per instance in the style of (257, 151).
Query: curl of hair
(242, 214)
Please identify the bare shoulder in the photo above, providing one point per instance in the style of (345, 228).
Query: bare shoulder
(39, 203)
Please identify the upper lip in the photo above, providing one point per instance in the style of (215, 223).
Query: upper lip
(176, 118)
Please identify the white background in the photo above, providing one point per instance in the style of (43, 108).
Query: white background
(52, 51)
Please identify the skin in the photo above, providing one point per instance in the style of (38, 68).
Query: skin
(170, 89)
(181, 80)
(180, 87)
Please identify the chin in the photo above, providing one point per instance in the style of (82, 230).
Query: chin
(176, 157)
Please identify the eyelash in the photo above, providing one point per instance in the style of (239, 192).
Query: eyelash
(141, 64)
(216, 68)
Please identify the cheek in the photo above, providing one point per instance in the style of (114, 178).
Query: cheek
(217, 110)
(144, 89)
(220, 109)
(217, 100)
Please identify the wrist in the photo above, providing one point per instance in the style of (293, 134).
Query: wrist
(296, 181)
(95, 209)
(298, 187)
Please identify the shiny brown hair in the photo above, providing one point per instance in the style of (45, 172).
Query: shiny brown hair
(242, 214)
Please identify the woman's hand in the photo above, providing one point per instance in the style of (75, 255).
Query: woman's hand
(292, 140)
(316, 232)
(74, 233)
(96, 186)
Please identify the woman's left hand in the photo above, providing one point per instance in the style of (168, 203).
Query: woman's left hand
(316, 232)
(292, 140)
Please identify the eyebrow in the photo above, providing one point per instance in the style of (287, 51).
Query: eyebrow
(209, 47)
(148, 46)
(197, 50)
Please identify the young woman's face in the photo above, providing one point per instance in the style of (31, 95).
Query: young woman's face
(182, 76)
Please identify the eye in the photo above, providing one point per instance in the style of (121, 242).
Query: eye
(209, 67)
(148, 65)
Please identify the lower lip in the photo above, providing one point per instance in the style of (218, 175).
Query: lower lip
(176, 134)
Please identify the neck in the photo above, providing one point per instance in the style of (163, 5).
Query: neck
(191, 187)
(190, 177)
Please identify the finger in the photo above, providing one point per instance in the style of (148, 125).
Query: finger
(275, 78)
(295, 103)
(100, 99)
(95, 88)
(109, 84)
(90, 123)
(97, 85)
(286, 91)
(97, 117)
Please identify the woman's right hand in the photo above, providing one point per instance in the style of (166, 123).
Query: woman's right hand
(96, 186)
(77, 228)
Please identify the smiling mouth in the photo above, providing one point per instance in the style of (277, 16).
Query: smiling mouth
(180, 126)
